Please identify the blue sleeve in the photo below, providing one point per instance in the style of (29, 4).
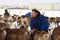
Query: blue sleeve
(31, 26)
(45, 25)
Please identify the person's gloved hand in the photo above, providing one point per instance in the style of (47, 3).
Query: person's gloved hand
(33, 31)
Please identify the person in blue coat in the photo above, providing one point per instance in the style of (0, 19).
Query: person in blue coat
(38, 21)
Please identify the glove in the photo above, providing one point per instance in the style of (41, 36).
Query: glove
(33, 31)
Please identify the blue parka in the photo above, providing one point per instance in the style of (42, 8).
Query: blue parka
(41, 23)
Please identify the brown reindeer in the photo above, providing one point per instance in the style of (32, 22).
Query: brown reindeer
(41, 35)
(56, 34)
(19, 34)
(2, 31)
(24, 21)
(53, 25)
(19, 20)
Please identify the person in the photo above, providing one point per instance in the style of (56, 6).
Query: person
(38, 22)
(6, 13)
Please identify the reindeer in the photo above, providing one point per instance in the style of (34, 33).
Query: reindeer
(56, 34)
(3, 33)
(19, 34)
(53, 25)
(41, 35)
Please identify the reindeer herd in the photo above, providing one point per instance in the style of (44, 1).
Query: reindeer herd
(18, 28)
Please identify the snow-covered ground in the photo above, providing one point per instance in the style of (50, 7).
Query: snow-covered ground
(24, 11)
(15, 11)
(52, 13)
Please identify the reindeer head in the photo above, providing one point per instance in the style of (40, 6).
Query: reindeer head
(24, 22)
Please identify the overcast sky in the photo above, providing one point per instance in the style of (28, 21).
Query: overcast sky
(26, 2)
